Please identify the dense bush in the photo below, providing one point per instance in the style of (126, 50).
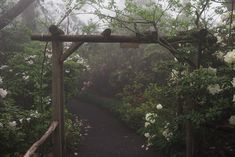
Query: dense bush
(25, 89)
(21, 128)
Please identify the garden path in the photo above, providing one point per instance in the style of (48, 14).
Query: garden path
(104, 135)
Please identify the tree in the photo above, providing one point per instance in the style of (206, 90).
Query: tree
(12, 13)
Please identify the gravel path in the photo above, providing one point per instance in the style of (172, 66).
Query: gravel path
(105, 136)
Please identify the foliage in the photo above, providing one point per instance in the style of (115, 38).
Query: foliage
(199, 79)
(20, 128)
(25, 91)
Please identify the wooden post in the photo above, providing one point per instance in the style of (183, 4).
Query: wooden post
(189, 139)
(57, 92)
(189, 135)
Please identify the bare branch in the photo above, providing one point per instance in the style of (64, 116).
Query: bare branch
(35, 146)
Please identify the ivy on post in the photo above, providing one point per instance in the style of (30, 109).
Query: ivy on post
(57, 90)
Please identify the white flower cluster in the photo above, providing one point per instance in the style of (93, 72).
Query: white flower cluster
(167, 134)
(233, 98)
(230, 57)
(174, 74)
(219, 55)
(24, 76)
(149, 138)
(147, 134)
(33, 114)
(48, 53)
(47, 100)
(214, 89)
(232, 120)
(150, 117)
(67, 71)
(12, 124)
(79, 60)
(3, 67)
(159, 106)
(3, 92)
(29, 59)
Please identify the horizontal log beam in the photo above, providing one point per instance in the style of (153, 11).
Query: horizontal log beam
(102, 39)
(35, 146)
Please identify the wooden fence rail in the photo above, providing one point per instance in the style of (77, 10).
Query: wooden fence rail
(38, 143)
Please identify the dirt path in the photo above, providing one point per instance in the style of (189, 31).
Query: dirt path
(106, 136)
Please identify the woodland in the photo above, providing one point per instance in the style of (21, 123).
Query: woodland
(177, 93)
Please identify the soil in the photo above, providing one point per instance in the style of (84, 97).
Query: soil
(104, 135)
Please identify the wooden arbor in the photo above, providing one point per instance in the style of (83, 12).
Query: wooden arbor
(57, 38)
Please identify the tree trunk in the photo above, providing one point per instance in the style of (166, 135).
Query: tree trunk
(12, 13)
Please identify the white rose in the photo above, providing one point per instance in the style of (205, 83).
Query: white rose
(167, 134)
(230, 57)
(28, 119)
(152, 121)
(12, 124)
(214, 89)
(3, 67)
(30, 62)
(3, 92)
(26, 77)
(233, 98)
(150, 116)
(147, 116)
(21, 120)
(219, 55)
(67, 71)
(147, 135)
(159, 106)
(146, 124)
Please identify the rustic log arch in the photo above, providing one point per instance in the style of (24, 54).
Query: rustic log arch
(57, 38)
